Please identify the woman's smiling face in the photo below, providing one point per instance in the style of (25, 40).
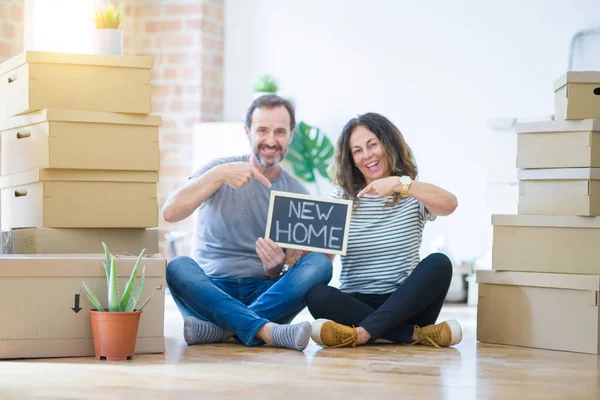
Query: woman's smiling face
(368, 154)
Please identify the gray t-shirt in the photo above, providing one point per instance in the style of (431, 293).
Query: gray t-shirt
(231, 220)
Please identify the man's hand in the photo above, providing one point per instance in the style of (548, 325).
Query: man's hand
(271, 255)
(238, 174)
(381, 187)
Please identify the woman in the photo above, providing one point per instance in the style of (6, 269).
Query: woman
(386, 291)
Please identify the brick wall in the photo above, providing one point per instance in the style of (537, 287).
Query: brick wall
(11, 28)
(185, 38)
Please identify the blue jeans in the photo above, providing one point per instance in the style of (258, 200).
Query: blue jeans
(244, 306)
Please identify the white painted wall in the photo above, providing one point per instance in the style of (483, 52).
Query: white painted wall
(438, 69)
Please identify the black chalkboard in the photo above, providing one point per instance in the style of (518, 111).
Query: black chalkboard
(309, 223)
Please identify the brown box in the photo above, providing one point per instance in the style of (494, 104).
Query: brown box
(50, 198)
(546, 311)
(577, 95)
(38, 294)
(34, 80)
(565, 191)
(546, 243)
(78, 241)
(558, 144)
(72, 139)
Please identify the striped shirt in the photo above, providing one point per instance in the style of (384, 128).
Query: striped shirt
(383, 244)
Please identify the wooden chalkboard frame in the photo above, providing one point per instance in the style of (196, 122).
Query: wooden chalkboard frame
(275, 193)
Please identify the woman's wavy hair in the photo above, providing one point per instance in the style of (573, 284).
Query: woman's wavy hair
(346, 175)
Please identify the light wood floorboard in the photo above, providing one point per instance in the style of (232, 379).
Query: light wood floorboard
(471, 370)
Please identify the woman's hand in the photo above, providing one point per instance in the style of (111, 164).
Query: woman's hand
(382, 187)
(293, 255)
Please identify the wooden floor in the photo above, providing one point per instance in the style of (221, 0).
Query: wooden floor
(469, 371)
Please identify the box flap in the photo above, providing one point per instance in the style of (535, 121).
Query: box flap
(538, 279)
(557, 221)
(76, 175)
(577, 77)
(76, 265)
(41, 57)
(79, 116)
(559, 174)
(582, 125)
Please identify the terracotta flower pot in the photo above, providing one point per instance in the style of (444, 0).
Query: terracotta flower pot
(115, 334)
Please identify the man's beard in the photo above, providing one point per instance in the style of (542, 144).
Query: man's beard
(264, 163)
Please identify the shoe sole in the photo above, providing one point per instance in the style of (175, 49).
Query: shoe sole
(455, 331)
(315, 333)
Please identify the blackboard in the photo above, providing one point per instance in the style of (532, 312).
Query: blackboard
(309, 223)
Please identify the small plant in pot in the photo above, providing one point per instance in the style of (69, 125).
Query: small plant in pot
(107, 38)
(115, 329)
(264, 84)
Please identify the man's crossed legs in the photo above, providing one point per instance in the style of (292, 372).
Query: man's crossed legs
(215, 309)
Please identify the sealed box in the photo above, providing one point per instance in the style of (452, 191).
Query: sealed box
(51, 198)
(545, 311)
(78, 241)
(44, 311)
(562, 191)
(546, 243)
(73, 139)
(558, 144)
(35, 80)
(577, 95)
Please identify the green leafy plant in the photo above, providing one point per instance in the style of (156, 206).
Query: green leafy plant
(265, 83)
(310, 152)
(128, 300)
(108, 16)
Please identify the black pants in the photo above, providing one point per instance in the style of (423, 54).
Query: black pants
(417, 301)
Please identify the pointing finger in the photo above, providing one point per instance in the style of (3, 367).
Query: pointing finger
(261, 177)
(365, 190)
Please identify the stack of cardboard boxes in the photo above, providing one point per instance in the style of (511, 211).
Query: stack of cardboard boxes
(79, 165)
(544, 289)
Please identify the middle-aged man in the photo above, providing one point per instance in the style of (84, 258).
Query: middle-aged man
(237, 284)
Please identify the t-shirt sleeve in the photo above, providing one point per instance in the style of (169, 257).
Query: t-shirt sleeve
(425, 214)
(206, 167)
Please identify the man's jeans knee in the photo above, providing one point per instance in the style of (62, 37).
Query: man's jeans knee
(287, 297)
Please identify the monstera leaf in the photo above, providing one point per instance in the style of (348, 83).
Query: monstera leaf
(310, 152)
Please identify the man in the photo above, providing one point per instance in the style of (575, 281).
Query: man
(237, 286)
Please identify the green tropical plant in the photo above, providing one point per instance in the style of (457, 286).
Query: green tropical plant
(128, 300)
(108, 16)
(265, 83)
(310, 151)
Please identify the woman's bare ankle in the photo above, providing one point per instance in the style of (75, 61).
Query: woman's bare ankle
(264, 333)
(362, 335)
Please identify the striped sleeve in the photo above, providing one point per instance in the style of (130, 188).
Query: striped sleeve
(425, 214)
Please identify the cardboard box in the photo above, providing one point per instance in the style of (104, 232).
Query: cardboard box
(565, 191)
(577, 95)
(48, 198)
(546, 311)
(78, 241)
(34, 80)
(74, 139)
(546, 243)
(558, 144)
(39, 297)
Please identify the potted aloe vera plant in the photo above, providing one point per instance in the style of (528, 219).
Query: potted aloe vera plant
(107, 38)
(115, 328)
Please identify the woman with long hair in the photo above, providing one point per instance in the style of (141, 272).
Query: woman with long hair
(386, 291)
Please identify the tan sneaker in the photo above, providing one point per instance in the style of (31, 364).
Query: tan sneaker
(331, 334)
(444, 334)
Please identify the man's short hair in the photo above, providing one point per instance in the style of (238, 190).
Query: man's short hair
(271, 101)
